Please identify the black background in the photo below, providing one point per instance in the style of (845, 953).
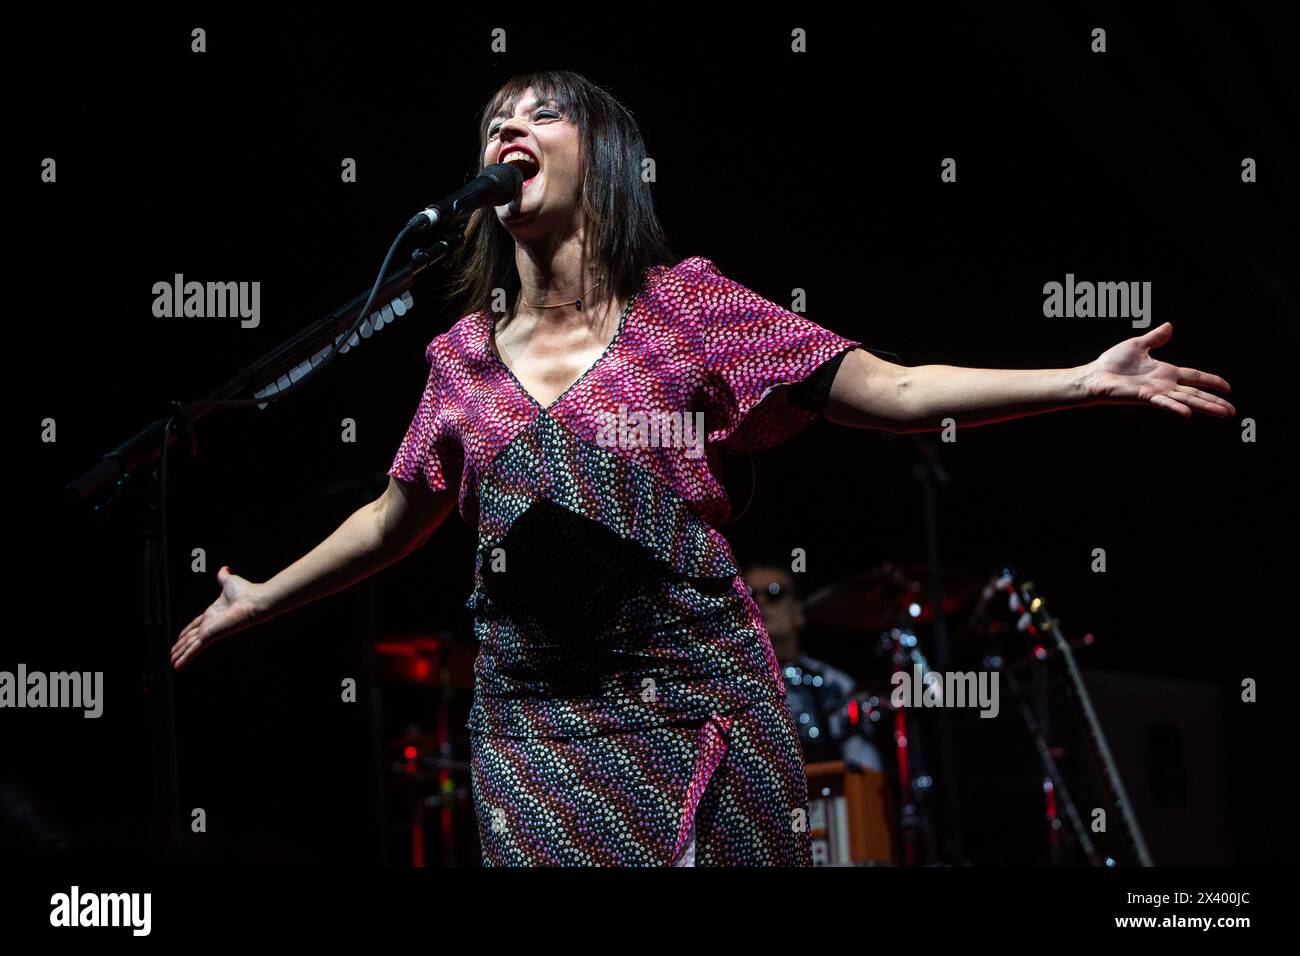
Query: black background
(818, 171)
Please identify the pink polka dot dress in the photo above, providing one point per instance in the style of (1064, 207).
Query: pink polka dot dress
(628, 708)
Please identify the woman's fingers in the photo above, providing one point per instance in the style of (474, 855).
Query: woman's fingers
(1165, 402)
(185, 655)
(180, 649)
(1194, 376)
(1202, 401)
(191, 647)
(182, 644)
(1185, 401)
(191, 640)
(188, 642)
(185, 632)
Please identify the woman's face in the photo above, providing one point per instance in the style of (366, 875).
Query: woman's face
(552, 171)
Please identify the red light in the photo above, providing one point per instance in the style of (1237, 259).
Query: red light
(853, 711)
(422, 668)
(410, 752)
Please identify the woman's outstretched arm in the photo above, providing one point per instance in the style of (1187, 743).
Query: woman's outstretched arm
(371, 538)
(869, 392)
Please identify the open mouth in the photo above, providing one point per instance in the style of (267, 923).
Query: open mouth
(522, 160)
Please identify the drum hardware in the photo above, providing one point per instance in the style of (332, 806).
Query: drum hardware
(423, 765)
(887, 596)
(422, 659)
(1042, 654)
(915, 786)
(1034, 621)
(426, 775)
(1054, 788)
(892, 600)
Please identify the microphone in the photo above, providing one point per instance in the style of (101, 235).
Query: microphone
(497, 185)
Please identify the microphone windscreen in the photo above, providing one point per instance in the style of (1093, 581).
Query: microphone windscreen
(508, 177)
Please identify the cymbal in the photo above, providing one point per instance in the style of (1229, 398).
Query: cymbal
(890, 595)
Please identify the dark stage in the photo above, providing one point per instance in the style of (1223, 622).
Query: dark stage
(821, 170)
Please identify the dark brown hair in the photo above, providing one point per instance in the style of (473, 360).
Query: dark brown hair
(623, 235)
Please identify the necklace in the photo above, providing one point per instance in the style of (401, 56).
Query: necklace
(559, 305)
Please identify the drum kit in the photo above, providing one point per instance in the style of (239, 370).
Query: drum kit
(889, 813)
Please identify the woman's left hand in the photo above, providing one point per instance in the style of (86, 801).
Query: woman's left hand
(1127, 374)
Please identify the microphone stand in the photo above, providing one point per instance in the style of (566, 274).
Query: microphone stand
(142, 460)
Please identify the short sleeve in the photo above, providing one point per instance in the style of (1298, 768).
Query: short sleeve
(752, 346)
(428, 452)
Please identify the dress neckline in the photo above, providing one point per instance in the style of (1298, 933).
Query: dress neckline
(489, 344)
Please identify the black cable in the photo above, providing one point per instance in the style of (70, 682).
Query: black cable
(329, 356)
(753, 482)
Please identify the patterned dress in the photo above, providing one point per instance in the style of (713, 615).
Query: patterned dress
(628, 707)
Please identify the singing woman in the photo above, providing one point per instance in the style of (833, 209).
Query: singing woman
(628, 707)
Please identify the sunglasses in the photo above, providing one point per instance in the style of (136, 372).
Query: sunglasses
(773, 592)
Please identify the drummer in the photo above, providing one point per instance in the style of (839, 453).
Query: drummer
(818, 693)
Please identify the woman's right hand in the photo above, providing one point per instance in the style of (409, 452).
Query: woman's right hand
(233, 611)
